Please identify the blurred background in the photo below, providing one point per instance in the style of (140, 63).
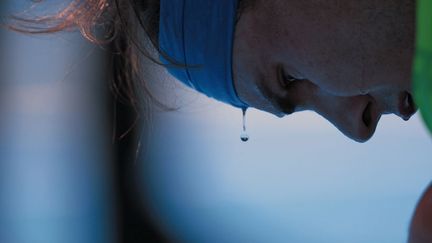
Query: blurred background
(72, 170)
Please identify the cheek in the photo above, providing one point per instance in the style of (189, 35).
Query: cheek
(324, 61)
(326, 52)
(333, 76)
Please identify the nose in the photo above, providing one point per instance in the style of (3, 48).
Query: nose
(355, 116)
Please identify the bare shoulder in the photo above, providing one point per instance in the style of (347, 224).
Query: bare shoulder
(421, 224)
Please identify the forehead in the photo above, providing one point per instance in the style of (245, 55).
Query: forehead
(251, 91)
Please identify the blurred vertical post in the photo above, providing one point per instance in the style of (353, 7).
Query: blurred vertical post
(55, 162)
(136, 223)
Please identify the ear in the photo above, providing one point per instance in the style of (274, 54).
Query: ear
(421, 224)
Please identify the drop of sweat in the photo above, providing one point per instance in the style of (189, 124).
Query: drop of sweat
(244, 136)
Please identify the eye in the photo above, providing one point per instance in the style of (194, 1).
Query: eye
(285, 79)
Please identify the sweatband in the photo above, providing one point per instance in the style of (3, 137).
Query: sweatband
(196, 43)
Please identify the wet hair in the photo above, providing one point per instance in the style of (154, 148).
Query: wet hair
(130, 29)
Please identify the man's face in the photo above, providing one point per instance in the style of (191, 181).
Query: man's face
(348, 60)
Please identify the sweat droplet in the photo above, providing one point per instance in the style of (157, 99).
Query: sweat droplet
(244, 136)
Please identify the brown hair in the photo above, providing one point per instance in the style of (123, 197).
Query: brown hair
(121, 24)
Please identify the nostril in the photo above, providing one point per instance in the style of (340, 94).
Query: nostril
(409, 101)
(367, 115)
(406, 106)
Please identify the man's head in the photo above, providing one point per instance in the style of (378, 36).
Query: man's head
(350, 61)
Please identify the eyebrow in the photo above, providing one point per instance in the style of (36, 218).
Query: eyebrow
(281, 104)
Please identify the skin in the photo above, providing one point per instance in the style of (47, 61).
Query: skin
(421, 224)
(350, 60)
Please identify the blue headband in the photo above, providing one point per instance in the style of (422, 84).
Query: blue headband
(199, 34)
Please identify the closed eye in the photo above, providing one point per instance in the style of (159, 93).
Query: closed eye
(280, 101)
(285, 80)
